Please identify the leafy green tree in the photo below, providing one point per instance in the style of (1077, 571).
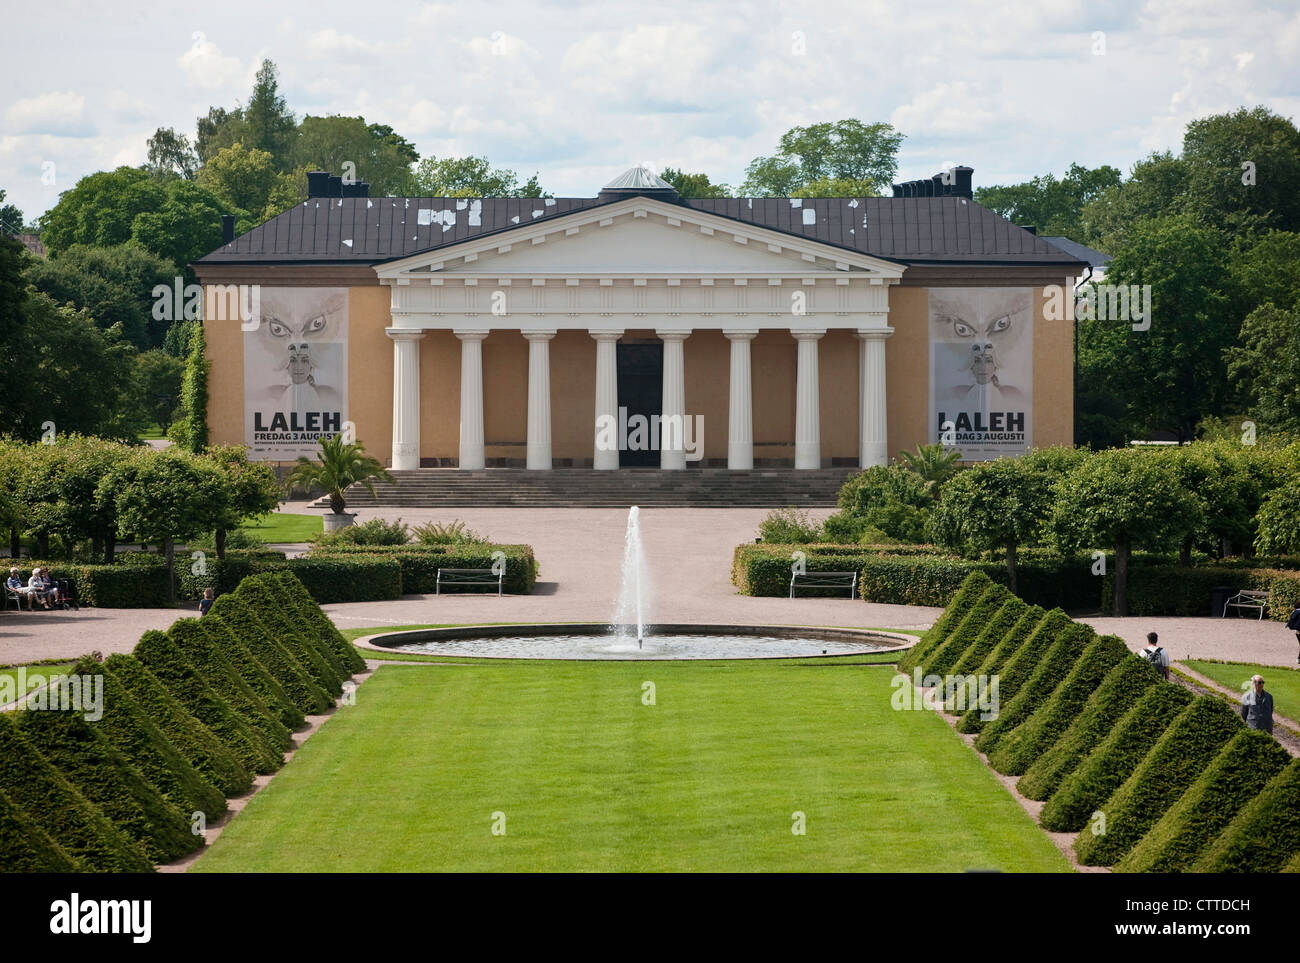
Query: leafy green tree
(1216, 149)
(167, 495)
(886, 500)
(694, 185)
(468, 177)
(1172, 374)
(1219, 476)
(252, 489)
(171, 155)
(58, 490)
(11, 218)
(241, 177)
(846, 150)
(159, 376)
(1266, 366)
(270, 125)
(1156, 186)
(1279, 521)
(378, 155)
(1000, 504)
(219, 128)
(1051, 205)
(177, 340)
(16, 347)
(114, 284)
(340, 465)
(1126, 499)
(934, 464)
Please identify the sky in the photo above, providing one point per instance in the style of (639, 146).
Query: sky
(578, 91)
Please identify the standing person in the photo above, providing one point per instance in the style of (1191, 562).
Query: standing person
(1293, 623)
(1156, 655)
(1257, 706)
(206, 602)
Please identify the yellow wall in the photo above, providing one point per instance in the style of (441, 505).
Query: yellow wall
(225, 353)
(907, 369)
(370, 370)
(1053, 378)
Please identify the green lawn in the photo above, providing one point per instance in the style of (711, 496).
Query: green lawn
(1283, 683)
(286, 527)
(589, 778)
(36, 675)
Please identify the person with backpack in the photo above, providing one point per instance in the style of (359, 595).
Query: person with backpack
(1293, 623)
(1157, 656)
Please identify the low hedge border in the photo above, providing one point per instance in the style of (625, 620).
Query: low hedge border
(1264, 835)
(1178, 590)
(420, 563)
(110, 586)
(1236, 776)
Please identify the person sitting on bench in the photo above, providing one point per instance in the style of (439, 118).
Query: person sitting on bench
(42, 587)
(15, 585)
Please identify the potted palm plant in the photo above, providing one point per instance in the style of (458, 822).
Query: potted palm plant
(340, 464)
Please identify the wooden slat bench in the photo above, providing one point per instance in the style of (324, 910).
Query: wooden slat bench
(1247, 599)
(848, 580)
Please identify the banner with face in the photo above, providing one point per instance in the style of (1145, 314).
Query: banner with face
(982, 370)
(296, 372)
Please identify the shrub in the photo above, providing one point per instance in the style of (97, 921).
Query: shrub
(1017, 750)
(26, 848)
(420, 563)
(789, 526)
(1009, 618)
(1124, 685)
(34, 786)
(1179, 590)
(254, 674)
(315, 621)
(1187, 747)
(282, 629)
(196, 646)
(236, 538)
(1264, 835)
(1293, 865)
(1020, 667)
(136, 735)
(454, 532)
(219, 574)
(107, 779)
(241, 623)
(1110, 764)
(162, 657)
(1027, 627)
(971, 591)
(972, 636)
(961, 638)
(111, 586)
(265, 591)
(192, 739)
(374, 532)
(1048, 672)
(1236, 776)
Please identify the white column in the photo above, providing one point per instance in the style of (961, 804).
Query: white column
(605, 453)
(539, 399)
(672, 424)
(471, 399)
(406, 397)
(807, 411)
(740, 410)
(873, 424)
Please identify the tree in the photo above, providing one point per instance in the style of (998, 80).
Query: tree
(1126, 499)
(11, 218)
(468, 177)
(993, 505)
(1052, 206)
(16, 348)
(170, 155)
(934, 464)
(270, 125)
(1279, 521)
(377, 155)
(340, 464)
(1266, 366)
(220, 128)
(694, 185)
(114, 284)
(166, 495)
(1157, 186)
(252, 489)
(158, 377)
(1263, 194)
(58, 487)
(1171, 374)
(883, 500)
(846, 150)
(242, 178)
(191, 431)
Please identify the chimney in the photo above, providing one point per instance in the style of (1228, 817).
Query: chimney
(227, 228)
(356, 189)
(962, 186)
(940, 188)
(335, 186)
(898, 189)
(318, 183)
(1031, 228)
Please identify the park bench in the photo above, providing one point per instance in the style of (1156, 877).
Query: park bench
(848, 580)
(468, 576)
(1247, 599)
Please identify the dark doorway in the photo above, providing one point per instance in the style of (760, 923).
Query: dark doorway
(641, 392)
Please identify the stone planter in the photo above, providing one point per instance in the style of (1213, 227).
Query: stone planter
(335, 521)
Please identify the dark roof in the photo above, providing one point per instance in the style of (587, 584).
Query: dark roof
(1084, 253)
(911, 230)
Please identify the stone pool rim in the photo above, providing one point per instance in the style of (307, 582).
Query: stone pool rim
(392, 641)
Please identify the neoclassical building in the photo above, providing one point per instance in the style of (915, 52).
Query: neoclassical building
(639, 328)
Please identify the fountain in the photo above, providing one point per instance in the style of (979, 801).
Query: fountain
(629, 611)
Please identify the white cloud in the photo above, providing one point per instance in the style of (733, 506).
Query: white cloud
(205, 66)
(57, 112)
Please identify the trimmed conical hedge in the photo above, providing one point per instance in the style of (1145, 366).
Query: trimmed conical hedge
(165, 659)
(26, 848)
(1007, 646)
(1107, 766)
(1187, 747)
(242, 623)
(1003, 621)
(106, 778)
(1018, 750)
(1236, 776)
(1293, 865)
(263, 602)
(266, 592)
(1265, 836)
(977, 621)
(134, 733)
(35, 787)
(1053, 667)
(296, 594)
(974, 586)
(1124, 685)
(196, 646)
(1019, 665)
(195, 741)
(253, 672)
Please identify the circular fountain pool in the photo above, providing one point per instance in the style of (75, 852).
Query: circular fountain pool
(604, 642)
